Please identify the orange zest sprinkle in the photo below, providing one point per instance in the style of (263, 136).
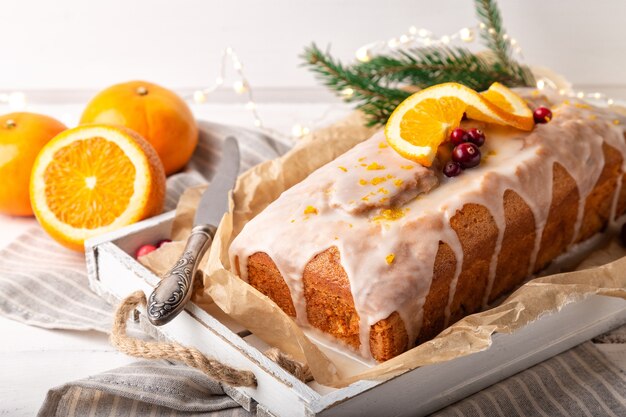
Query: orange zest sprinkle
(344, 169)
(383, 190)
(362, 181)
(616, 122)
(310, 210)
(383, 145)
(378, 180)
(407, 166)
(398, 183)
(361, 159)
(390, 214)
(389, 258)
(374, 166)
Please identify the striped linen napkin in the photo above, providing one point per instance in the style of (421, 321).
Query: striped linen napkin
(45, 285)
(579, 382)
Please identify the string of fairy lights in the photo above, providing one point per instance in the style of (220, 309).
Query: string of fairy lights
(414, 37)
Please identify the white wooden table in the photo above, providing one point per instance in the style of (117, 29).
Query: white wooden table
(32, 360)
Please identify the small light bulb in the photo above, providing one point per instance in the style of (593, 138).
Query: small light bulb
(392, 43)
(597, 95)
(258, 123)
(413, 30)
(445, 39)
(505, 36)
(250, 105)
(467, 35)
(427, 41)
(298, 130)
(561, 91)
(229, 50)
(482, 25)
(237, 65)
(347, 92)
(580, 94)
(610, 102)
(363, 54)
(199, 96)
(513, 42)
(219, 81)
(492, 31)
(541, 84)
(422, 33)
(240, 87)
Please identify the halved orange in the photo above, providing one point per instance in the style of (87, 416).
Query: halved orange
(423, 121)
(511, 103)
(94, 179)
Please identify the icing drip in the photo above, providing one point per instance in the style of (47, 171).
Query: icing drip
(618, 189)
(386, 215)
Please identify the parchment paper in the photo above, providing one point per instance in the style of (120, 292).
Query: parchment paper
(262, 184)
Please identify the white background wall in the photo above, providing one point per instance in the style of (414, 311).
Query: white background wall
(80, 44)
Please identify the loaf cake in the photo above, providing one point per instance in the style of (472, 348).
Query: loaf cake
(382, 253)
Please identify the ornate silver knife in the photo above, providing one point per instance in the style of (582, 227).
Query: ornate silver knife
(172, 293)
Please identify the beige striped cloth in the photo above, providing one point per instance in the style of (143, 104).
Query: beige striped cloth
(43, 284)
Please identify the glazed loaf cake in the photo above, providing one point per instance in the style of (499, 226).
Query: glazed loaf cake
(382, 253)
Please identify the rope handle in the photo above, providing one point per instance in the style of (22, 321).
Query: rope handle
(192, 356)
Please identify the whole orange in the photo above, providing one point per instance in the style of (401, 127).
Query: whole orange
(156, 113)
(22, 135)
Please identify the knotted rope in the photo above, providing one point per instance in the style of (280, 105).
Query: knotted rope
(191, 356)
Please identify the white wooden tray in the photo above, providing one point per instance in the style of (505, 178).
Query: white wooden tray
(114, 273)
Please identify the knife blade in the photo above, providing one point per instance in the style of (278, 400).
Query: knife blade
(214, 201)
(174, 290)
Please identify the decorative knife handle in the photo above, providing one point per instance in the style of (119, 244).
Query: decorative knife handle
(172, 293)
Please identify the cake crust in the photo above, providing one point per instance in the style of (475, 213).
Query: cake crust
(490, 252)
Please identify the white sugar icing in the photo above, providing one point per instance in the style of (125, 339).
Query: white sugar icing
(372, 203)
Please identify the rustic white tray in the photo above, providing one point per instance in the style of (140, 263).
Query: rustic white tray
(114, 273)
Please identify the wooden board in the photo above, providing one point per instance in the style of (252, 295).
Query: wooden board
(114, 273)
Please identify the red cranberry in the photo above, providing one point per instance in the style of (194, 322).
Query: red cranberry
(466, 154)
(476, 136)
(452, 169)
(458, 136)
(162, 242)
(144, 250)
(542, 115)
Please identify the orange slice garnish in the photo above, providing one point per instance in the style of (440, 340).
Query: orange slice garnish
(511, 103)
(94, 179)
(423, 121)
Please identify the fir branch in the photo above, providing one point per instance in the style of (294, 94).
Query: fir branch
(423, 67)
(377, 101)
(379, 85)
(493, 34)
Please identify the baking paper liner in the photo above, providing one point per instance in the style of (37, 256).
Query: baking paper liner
(603, 272)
